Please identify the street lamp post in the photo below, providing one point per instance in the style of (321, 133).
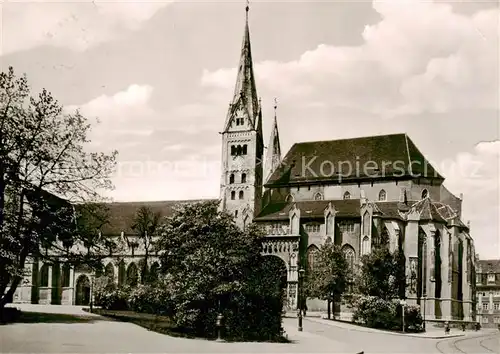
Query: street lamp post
(92, 276)
(425, 301)
(403, 304)
(301, 276)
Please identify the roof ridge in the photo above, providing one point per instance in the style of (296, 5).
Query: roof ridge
(354, 138)
(161, 201)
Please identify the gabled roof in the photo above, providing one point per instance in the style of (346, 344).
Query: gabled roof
(389, 210)
(436, 211)
(394, 155)
(489, 266)
(122, 214)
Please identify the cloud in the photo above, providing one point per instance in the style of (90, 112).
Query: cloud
(421, 57)
(122, 116)
(476, 174)
(77, 24)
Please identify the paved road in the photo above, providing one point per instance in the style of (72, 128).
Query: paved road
(484, 343)
(73, 331)
(373, 342)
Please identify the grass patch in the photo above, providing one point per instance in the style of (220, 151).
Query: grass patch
(156, 323)
(164, 325)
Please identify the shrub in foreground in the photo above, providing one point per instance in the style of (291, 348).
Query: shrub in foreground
(113, 299)
(375, 312)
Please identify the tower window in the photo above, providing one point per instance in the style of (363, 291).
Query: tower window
(236, 213)
(242, 121)
(231, 178)
(425, 194)
(382, 196)
(244, 150)
(238, 150)
(233, 195)
(240, 194)
(347, 195)
(243, 178)
(233, 150)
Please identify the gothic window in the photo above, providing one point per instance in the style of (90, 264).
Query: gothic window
(236, 213)
(425, 194)
(349, 255)
(233, 195)
(366, 223)
(231, 178)
(365, 245)
(384, 237)
(347, 195)
(244, 150)
(382, 196)
(44, 275)
(242, 121)
(240, 195)
(312, 252)
(312, 227)
(318, 196)
(347, 226)
(233, 150)
(238, 150)
(243, 178)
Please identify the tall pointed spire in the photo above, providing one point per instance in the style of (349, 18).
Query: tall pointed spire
(273, 158)
(245, 99)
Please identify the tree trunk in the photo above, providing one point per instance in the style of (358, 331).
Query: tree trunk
(5, 297)
(329, 309)
(144, 269)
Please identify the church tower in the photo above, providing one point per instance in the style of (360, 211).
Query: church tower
(242, 144)
(273, 157)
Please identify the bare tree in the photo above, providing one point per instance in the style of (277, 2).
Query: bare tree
(146, 224)
(45, 169)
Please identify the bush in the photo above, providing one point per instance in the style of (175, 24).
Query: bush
(153, 299)
(375, 312)
(113, 299)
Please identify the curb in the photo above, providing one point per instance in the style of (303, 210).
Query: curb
(370, 330)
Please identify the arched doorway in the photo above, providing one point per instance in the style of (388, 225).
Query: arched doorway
(82, 290)
(277, 270)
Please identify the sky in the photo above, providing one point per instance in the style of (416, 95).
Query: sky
(159, 75)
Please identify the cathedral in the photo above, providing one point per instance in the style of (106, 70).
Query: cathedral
(359, 193)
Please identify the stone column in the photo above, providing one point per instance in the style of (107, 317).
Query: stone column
(466, 291)
(431, 276)
(70, 299)
(446, 276)
(411, 255)
(490, 305)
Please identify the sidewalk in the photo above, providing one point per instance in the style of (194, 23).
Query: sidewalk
(431, 333)
(308, 342)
